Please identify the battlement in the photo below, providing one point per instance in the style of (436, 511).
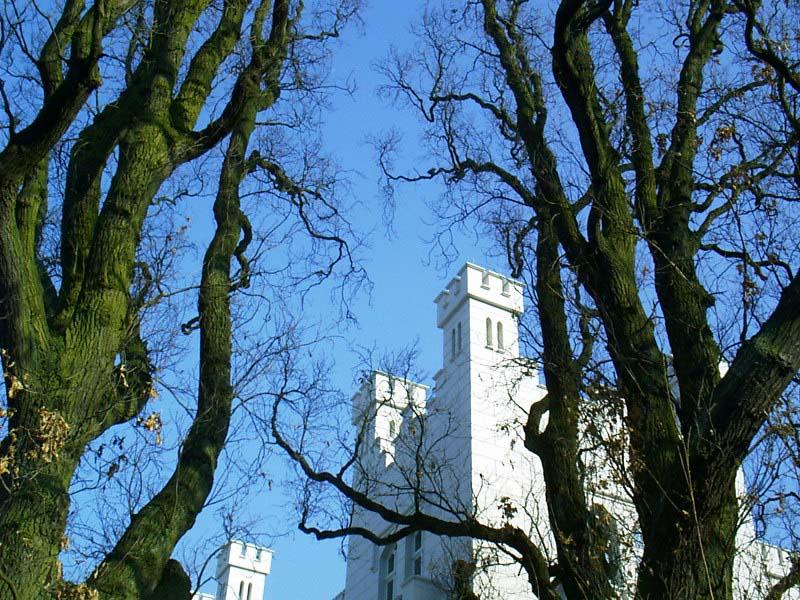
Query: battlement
(244, 556)
(382, 393)
(385, 403)
(477, 283)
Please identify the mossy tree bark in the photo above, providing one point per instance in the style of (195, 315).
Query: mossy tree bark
(646, 196)
(689, 531)
(60, 345)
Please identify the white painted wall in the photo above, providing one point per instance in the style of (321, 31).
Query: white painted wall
(462, 443)
(242, 571)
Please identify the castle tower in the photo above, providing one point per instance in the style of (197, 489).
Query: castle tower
(485, 306)
(472, 445)
(471, 460)
(242, 571)
(382, 405)
(486, 388)
(483, 381)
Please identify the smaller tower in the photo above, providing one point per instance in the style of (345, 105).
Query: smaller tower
(242, 571)
(383, 403)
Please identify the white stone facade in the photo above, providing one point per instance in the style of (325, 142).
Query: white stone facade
(459, 451)
(241, 572)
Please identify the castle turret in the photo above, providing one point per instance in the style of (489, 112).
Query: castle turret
(482, 385)
(242, 571)
(477, 313)
(459, 448)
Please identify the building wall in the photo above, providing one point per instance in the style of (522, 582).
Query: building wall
(242, 571)
(462, 444)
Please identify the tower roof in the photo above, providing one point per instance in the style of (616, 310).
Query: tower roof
(476, 283)
(241, 555)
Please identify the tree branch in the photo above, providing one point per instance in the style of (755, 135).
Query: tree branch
(533, 560)
(763, 367)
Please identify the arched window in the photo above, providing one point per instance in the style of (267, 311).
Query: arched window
(387, 573)
(414, 555)
(499, 335)
(241, 590)
(488, 332)
(249, 591)
(613, 554)
(459, 337)
(418, 553)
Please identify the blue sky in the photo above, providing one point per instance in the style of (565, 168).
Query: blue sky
(406, 275)
(405, 271)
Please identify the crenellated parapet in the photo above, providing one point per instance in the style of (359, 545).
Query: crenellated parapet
(383, 406)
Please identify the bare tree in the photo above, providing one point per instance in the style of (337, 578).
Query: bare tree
(109, 106)
(639, 165)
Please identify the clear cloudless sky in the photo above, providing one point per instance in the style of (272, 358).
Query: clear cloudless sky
(406, 275)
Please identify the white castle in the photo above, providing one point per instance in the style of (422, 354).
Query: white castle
(241, 572)
(459, 451)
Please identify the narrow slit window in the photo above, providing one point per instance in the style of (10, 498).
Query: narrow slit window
(418, 553)
(488, 332)
(453, 343)
(249, 591)
(241, 590)
(392, 428)
(459, 338)
(387, 573)
(499, 335)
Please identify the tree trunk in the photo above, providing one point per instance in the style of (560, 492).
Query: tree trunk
(580, 543)
(32, 525)
(690, 556)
